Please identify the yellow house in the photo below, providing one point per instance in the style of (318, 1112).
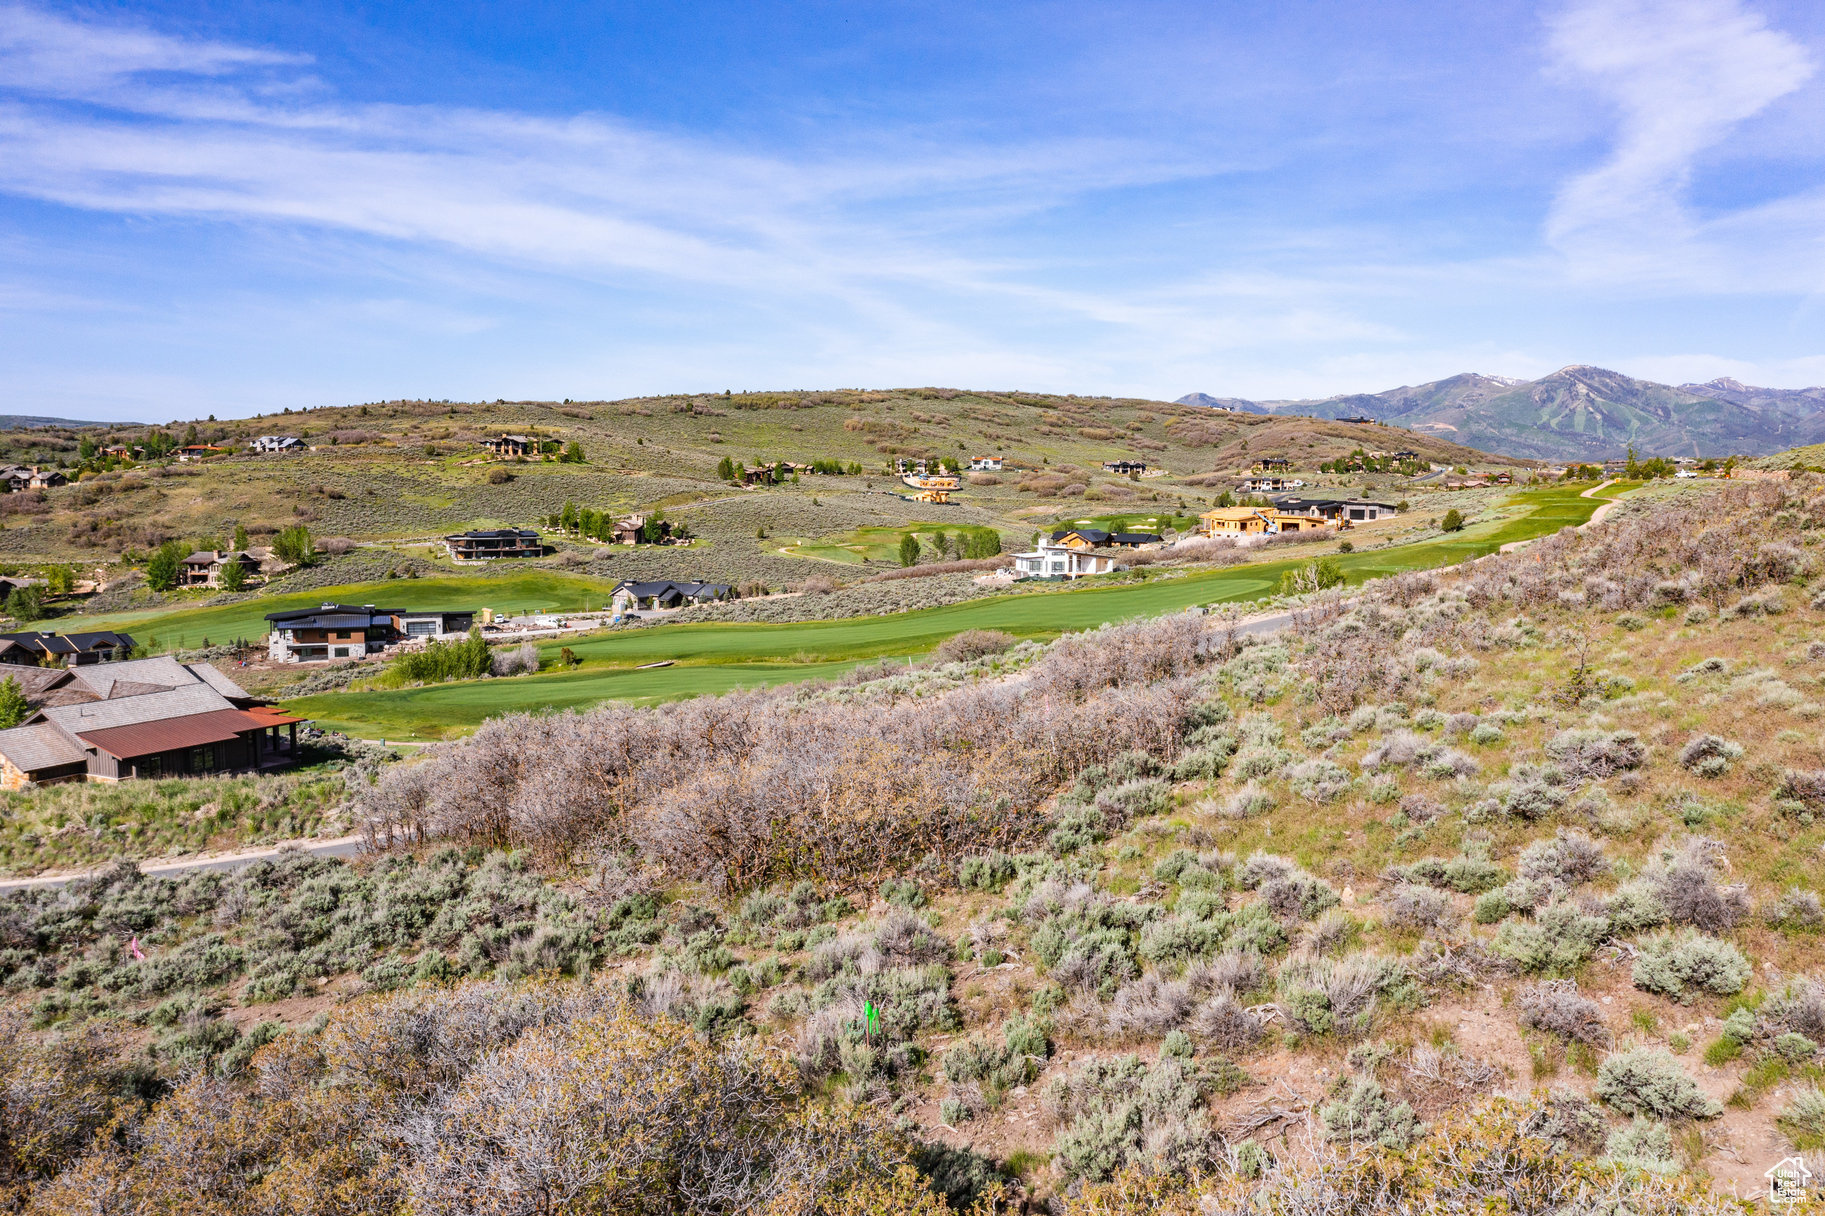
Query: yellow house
(1232, 521)
(1240, 521)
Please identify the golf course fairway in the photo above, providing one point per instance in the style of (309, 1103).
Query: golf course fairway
(716, 657)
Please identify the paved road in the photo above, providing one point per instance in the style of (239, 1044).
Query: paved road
(343, 846)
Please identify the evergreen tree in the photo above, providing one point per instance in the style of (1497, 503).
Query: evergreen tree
(13, 706)
(909, 550)
(26, 603)
(240, 538)
(294, 544)
(233, 576)
(162, 569)
(1453, 521)
(725, 469)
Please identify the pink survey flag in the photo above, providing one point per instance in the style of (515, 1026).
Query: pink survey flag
(134, 947)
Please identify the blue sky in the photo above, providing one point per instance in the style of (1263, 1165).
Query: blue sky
(219, 207)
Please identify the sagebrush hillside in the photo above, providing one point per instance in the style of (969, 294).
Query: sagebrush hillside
(1498, 878)
(398, 471)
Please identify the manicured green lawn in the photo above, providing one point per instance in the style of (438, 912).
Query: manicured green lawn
(716, 657)
(455, 709)
(881, 544)
(524, 591)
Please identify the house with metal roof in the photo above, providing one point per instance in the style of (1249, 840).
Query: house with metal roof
(147, 718)
(1081, 538)
(348, 631)
(493, 544)
(1344, 510)
(276, 443)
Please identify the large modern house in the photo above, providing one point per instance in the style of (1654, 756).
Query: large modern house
(276, 443)
(348, 631)
(143, 718)
(1351, 510)
(32, 649)
(494, 543)
(1061, 559)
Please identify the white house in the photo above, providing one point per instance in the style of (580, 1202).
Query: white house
(276, 443)
(1054, 560)
(985, 464)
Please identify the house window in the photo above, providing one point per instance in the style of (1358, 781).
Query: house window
(202, 759)
(342, 652)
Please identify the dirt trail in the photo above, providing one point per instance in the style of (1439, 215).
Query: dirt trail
(1596, 516)
(341, 846)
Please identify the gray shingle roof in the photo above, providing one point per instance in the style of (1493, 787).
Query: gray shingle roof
(162, 670)
(199, 698)
(40, 746)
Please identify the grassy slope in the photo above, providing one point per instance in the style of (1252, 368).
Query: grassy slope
(714, 658)
(407, 471)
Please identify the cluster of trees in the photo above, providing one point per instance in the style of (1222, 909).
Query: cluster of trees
(165, 565)
(779, 472)
(1360, 461)
(1228, 499)
(469, 659)
(1649, 469)
(966, 544)
(600, 525)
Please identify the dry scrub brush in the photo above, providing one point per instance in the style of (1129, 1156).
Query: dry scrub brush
(752, 788)
(541, 1099)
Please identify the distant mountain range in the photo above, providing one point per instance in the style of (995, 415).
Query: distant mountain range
(20, 422)
(1578, 413)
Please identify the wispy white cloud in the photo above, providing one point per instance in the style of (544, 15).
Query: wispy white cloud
(883, 254)
(589, 196)
(1682, 75)
(48, 53)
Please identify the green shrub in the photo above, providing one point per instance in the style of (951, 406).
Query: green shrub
(1642, 1144)
(1123, 1112)
(1680, 965)
(986, 871)
(1648, 1081)
(1360, 1112)
(1803, 1119)
(1559, 939)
